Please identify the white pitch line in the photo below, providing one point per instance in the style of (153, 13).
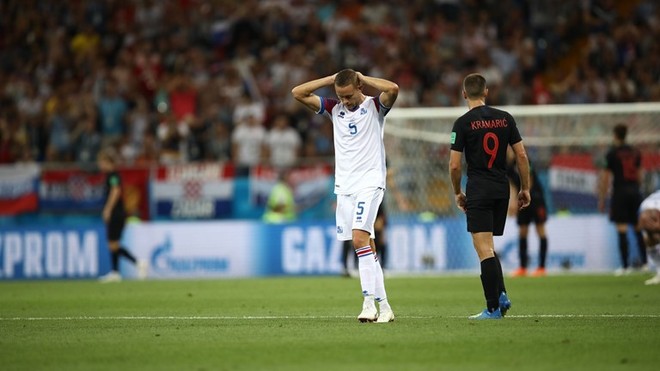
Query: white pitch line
(584, 316)
(211, 318)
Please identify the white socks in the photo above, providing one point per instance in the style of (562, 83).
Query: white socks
(381, 295)
(654, 255)
(367, 269)
(371, 276)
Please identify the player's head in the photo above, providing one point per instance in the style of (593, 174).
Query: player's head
(348, 88)
(107, 159)
(474, 87)
(620, 131)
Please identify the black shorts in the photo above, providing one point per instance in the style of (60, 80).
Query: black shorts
(535, 213)
(487, 215)
(624, 207)
(114, 227)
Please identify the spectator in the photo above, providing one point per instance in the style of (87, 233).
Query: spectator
(183, 58)
(149, 153)
(112, 112)
(11, 147)
(60, 125)
(86, 141)
(218, 144)
(283, 143)
(171, 137)
(182, 97)
(320, 142)
(139, 120)
(248, 144)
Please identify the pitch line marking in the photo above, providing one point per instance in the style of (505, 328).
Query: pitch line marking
(201, 318)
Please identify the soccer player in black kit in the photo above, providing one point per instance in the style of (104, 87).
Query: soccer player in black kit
(623, 164)
(485, 133)
(114, 217)
(535, 213)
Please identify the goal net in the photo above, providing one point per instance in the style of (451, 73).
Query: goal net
(566, 145)
(555, 136)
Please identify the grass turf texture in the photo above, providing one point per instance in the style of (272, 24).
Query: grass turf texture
(558, 322)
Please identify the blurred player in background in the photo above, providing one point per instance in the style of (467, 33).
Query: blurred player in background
(114, 217)
(485, 133)
(623, 168)
(535, 213)
(360, 170)
(649, 223)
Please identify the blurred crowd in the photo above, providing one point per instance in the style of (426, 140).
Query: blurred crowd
(173, 81)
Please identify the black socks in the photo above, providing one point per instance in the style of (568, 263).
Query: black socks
(490, 280)
(123, 252)
(114, 258)
(623, 249)
(543, 251)
(522, 251)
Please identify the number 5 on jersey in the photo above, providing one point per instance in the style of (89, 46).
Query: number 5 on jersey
(352, 128)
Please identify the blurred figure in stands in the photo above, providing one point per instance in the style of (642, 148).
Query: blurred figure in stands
(283, 143)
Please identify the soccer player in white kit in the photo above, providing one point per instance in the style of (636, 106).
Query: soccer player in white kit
(649, 223)
(358, 121)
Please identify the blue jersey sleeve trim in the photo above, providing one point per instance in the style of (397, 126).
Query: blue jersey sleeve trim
(322, 109)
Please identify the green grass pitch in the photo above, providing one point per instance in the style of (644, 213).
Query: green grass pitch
(568, 322)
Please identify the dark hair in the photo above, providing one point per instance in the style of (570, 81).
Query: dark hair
(109, 154)
(346, 77)
(620, 132)
(474, 85)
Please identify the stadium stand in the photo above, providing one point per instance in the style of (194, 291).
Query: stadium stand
(156, 78)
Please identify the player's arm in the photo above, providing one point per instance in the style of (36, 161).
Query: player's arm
(304, 93)
(524, 197)
(649, 224)
(389, 90)
(605, 176)
(455, 173)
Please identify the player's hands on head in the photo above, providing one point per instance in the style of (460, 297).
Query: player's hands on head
(461, 201)
(360, 80)
(524, 198)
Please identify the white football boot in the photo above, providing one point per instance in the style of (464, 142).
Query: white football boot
(369, 311)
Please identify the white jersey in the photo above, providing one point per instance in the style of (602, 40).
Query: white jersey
(359, 147)
(651, 202)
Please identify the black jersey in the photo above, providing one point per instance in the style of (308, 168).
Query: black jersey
(114, 180)
(624, 162)
(485, 133)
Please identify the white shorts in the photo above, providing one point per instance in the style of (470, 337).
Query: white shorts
(357, 211)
